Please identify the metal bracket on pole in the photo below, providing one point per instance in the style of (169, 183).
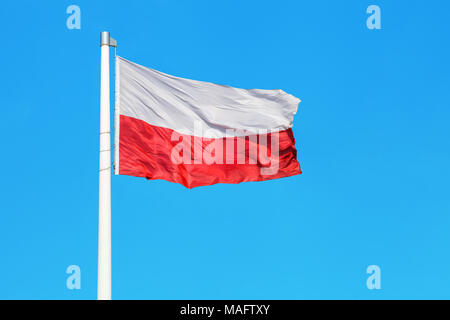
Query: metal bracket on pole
(112, 42)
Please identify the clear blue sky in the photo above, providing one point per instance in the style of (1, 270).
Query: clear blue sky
(372, 133)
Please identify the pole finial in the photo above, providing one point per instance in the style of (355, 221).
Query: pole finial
(104, 38)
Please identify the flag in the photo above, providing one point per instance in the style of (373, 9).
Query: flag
(198, 133)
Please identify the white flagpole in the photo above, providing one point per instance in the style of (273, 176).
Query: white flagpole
(104, 204)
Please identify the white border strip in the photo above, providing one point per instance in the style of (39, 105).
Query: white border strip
(178, 104)
(116, 116)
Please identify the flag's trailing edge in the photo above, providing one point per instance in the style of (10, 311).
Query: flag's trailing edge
(199, 133)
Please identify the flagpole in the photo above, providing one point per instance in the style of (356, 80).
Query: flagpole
(104, 204)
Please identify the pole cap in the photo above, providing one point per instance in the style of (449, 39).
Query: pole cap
(104, 38)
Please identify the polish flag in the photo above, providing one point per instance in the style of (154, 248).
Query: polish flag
(198, 133)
